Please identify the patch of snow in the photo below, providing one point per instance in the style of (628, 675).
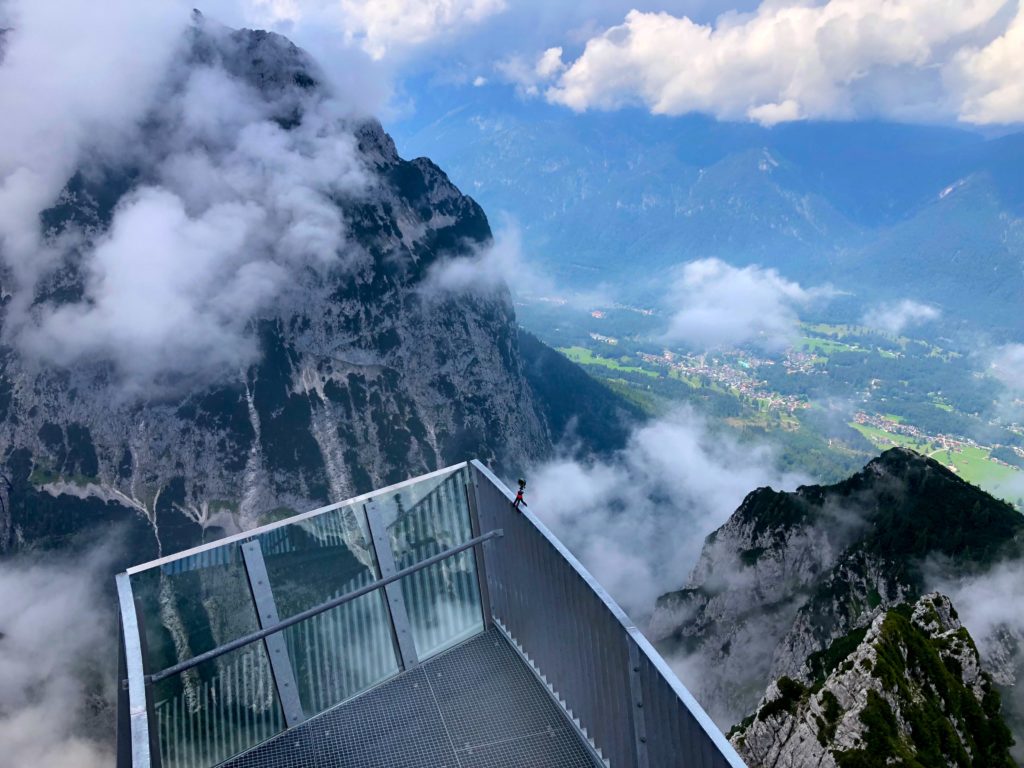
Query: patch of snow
(951, 188)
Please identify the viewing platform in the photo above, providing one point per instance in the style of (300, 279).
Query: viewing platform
(430, 624)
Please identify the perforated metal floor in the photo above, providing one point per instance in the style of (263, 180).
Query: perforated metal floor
(476, 706)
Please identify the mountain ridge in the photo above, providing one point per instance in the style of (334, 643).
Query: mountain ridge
(790, 572)
(909, 688)
(830, 202)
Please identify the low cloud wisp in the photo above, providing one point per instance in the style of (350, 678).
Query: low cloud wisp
(715, 305)
(899, 316)
(638, 520)
(57, 650)
(231, 209)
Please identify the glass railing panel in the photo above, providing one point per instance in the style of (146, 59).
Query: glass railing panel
(216, 710)
(192, 605)
(443, 603)
(347, 649)
(312, 561)
(342, 652)
(424, 519)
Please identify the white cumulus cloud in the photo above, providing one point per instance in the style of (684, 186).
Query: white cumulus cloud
(528, 75)
(715, 305)
(789, 60)
(991, 77)
(898, 316)
(380, 25)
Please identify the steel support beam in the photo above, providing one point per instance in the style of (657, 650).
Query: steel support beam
(478, 550)
(277, 650)
(138, 713)
(393, 589)
(124, 723)
(637, 695)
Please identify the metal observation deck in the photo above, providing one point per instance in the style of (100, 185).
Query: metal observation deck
(430, 624)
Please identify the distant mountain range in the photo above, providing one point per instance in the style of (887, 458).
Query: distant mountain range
(787, 588)
(886, 211)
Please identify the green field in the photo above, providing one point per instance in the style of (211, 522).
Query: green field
(584, 356)
(882, 439)
(975, 466)
(692, 381)
(972, 464)
(827, 329)
(825, 347)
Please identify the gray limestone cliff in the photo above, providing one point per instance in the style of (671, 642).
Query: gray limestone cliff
(362, 377)
(789, 573)
(909, 689)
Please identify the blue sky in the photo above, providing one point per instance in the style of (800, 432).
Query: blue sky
(930, 61)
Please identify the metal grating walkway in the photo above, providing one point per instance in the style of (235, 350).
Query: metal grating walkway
(476, 706)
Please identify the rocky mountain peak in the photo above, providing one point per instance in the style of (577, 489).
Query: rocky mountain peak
(298, 357)
(909, 689)
(788, 573)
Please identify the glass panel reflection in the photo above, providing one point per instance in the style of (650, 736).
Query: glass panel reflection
(345, 650)
(443, 601)
(313, 560)
(192, 605)
(217, 709)
(424, 519)
(342, 652)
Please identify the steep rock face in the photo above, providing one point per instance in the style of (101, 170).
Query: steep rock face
(910, 690)
(361, 379)
(790, 572)
(580, 412)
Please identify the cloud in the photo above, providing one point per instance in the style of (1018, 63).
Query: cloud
(639, 519)
(991, 78)
(489, 268)
(989, 602)
(991, 606)
(842, 59)
(894, 318)
(527, 74)
(76, 75)
(1007, 365)
(716, 305)
(550, 63)
(57, 653)
(380, 27)
(234, 212)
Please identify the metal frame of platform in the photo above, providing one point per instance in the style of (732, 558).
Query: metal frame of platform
(617, 693)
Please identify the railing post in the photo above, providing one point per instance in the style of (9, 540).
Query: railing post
(396, 601)
(275, 646)
(138, 712)
(639, 719)
(481, 563)
(124, 723)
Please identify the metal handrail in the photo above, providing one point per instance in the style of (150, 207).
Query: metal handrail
(309, 613)
(292, 520)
